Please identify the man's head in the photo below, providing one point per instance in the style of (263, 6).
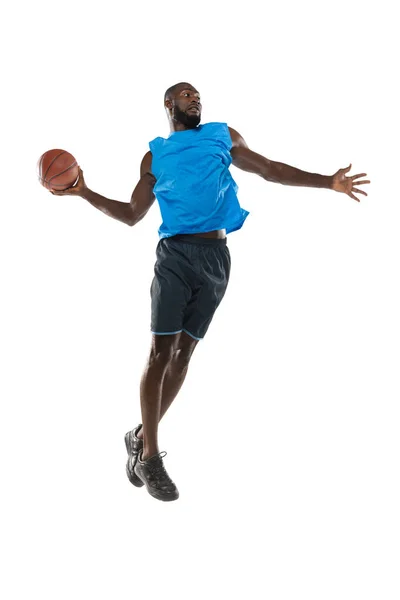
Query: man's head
(182, 102)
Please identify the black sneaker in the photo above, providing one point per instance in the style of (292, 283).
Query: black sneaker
(153, 474)
(133, 446)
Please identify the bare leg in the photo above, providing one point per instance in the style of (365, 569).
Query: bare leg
(150, 390)
(173, 381)
(174, 375)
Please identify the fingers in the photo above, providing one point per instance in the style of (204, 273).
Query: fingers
(347, 169)
(71, 191)
(352, 196)
(359, 191)
(360, 182)
(66, 192)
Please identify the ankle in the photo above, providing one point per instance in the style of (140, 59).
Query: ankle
(146, 454)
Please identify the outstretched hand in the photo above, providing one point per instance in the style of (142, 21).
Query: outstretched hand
(75, 190)
(344, 184)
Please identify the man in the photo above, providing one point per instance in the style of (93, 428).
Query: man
(188, 173)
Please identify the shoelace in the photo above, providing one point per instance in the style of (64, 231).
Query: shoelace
(158, 467)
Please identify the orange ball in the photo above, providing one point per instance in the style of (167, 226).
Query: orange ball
(57, 170)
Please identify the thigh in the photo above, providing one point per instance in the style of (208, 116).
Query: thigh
(215, 273)
(164, 345)
(171, 289)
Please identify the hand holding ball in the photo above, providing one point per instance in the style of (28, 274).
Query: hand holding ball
(59, 172)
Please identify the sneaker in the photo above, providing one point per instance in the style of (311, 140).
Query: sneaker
(156, 479)
(133, 446)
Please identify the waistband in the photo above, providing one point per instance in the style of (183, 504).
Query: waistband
(191, 239)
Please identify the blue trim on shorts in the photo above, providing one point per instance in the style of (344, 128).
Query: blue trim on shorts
(166, 333)
(191, 335)
(174, 332)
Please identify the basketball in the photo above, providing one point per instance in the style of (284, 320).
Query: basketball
(57, 170)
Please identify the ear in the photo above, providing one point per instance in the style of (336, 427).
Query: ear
(168, 104)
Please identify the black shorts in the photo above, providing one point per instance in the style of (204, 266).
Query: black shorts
(191, 275)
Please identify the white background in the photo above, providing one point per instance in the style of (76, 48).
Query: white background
(284, 439)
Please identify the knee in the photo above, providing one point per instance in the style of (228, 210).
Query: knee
(161, 357)
(181, 357)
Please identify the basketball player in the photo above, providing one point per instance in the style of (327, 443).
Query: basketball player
(188, 174)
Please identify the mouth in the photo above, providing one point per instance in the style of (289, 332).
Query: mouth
(194, 108)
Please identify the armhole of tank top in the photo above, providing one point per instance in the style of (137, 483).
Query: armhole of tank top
(225, 129)
(152, 146)
(153, 150)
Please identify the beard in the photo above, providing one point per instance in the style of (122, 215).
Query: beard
(190, 121)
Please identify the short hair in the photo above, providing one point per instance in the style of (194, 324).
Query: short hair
(172, 90)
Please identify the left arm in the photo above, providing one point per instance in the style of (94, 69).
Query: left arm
(247, 160)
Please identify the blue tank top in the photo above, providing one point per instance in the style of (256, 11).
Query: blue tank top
(194, 188)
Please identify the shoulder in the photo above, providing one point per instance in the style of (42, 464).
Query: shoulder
(145, 166)
(237, 139)
(225, 134)
(214, 127)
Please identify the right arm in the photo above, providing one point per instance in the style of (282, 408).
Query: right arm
(142, 196)
(128, 212)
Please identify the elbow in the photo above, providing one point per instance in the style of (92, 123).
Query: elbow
(135, 218)
(132, 216)
(130, 219)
